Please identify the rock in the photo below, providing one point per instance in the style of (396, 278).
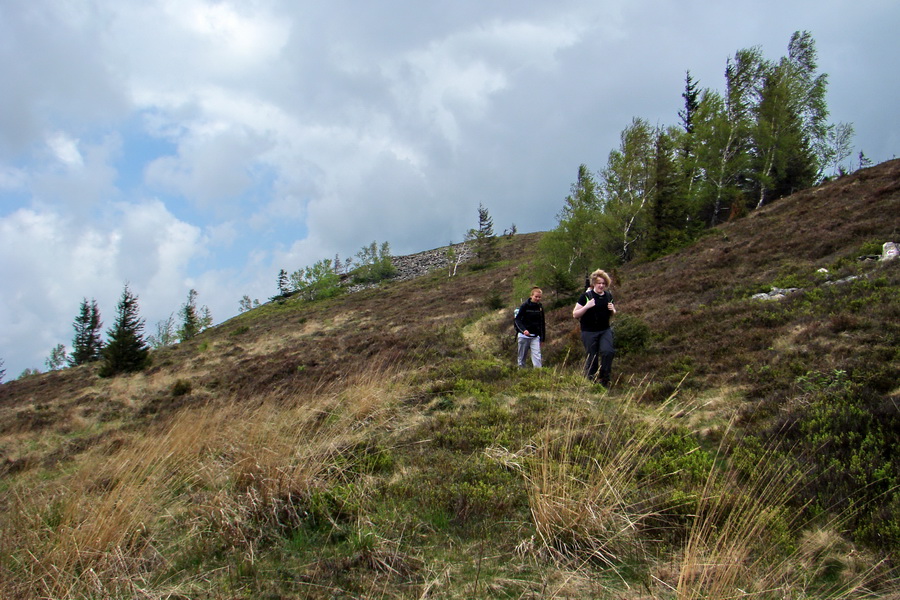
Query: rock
(890, 251)
(775, 294)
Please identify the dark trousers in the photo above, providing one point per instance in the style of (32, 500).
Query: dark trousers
(600, 351)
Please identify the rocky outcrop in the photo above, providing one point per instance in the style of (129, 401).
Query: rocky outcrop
(416, 265)
(422, 263)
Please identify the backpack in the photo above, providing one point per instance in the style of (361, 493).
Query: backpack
(516, 314)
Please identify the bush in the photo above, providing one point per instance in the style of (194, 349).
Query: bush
(632, 334)
(375, 264)
(317, 282)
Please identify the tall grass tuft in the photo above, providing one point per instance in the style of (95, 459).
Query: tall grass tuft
(213, 481)
(586, 496)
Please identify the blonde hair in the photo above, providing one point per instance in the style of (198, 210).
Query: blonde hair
(600, 274)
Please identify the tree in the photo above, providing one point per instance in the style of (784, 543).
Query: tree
(567, 252)
(840, 147)
(483, 238)
(246, 304)
(283, 288)
(165, 333)
(58, 358)
(723, 126)
(317, 282)
(627, 188)
(126, 351)
(864, 161)
(374, 263)
(190, 320)
(691, 95)
(2, 370)
(453, 257)
(86, 345)
(790, 137)
(670, 216)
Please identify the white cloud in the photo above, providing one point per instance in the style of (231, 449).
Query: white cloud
(50, 262)
(65, 149)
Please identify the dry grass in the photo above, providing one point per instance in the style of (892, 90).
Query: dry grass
(231, 472)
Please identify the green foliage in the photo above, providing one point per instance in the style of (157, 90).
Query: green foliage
(86, 345)
(374, 264)
(165, 333)
(628, 184)
(192, 321)
(871, 248)
(764, 137)
(494, 300)
(676, 454)
(316, 282)
(850, 441)
(125, 351)
(632, 334)
(577, 244)
(483, 239)
(58, 358)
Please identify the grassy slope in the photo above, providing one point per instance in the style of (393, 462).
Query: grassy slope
(381, 444)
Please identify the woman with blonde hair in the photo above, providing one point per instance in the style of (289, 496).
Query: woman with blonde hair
(594, 309)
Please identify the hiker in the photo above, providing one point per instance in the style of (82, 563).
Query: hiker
(594, 309)
(529, 323)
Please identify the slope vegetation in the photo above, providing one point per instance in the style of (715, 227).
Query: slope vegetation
(383, 444)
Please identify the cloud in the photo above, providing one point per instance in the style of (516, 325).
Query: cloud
(49, 262)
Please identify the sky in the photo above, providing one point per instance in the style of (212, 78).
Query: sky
(173, 145)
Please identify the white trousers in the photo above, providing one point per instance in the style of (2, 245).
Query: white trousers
(530, 344)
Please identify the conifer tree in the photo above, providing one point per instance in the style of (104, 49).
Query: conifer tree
(283, 288)
(485, 242)
(126, 351)
(669, 211)
(86, 345)
(190, 320)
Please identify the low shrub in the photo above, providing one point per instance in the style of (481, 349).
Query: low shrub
(632, 334)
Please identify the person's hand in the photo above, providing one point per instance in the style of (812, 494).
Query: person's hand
(590, 303)
(611, 307)
(525, 333)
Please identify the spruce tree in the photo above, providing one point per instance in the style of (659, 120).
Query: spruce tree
(190, 320)
(485, 243)
(86, 345)
(126, 350)
(283, 289)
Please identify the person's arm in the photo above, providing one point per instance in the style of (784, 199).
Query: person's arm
(580, 309)
(520, 321)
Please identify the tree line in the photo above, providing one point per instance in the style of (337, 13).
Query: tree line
(126, 349)
(763, 138)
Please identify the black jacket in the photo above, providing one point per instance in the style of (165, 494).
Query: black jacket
(530, 318)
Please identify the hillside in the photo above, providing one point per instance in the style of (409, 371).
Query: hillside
(382, 443)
